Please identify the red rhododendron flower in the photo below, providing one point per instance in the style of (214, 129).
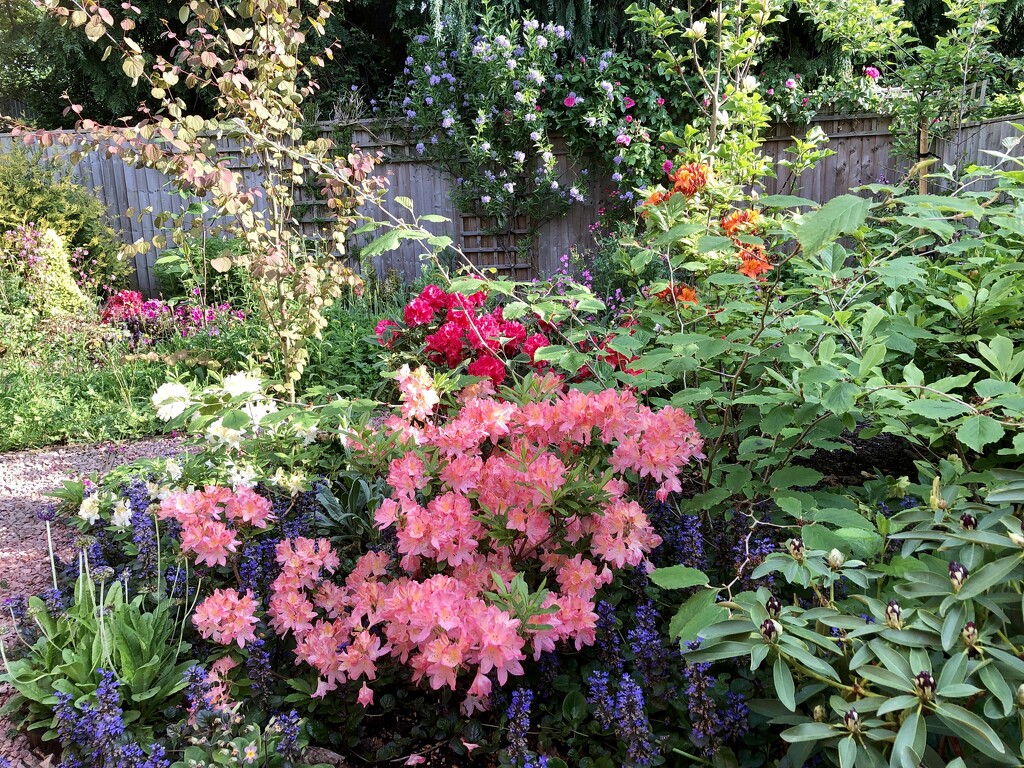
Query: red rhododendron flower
(435, 297)
(418, 312)
(533, 343)
(123, 305)
(490, 367)
(516, 335)
(386, 337)
(446, 345)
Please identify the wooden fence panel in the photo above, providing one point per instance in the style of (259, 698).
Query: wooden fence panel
(135, 197)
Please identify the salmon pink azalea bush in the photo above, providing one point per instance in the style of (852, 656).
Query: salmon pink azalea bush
(508, 516)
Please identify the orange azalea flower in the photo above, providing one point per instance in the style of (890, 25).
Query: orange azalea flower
(683, 294)
(755, 262)
(657, 198)
(690, 178)
(737, 221)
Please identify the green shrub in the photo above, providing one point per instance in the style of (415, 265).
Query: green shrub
(101, 630)
(39, 191)
(36, 275)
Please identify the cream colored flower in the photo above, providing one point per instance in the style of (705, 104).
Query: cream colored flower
(90, 509)
(171, 400)
(121, 516)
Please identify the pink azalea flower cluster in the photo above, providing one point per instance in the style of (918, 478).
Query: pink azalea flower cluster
(208, 519)
(537, 491)
(459, 329)
(227, 617)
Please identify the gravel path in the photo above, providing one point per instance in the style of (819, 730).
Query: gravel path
(24, 560)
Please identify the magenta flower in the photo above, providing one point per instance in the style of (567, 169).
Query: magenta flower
(791, 83)
(623, 139)
(570, 100)
(628, 103)
(629, 118)
(667, 166)
(661, 102)
(872, 73)
(771, 91)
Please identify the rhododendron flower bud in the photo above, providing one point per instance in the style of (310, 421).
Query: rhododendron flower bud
(795, 547)
(894, 615)
(925, 685)
(957, 575)
(835, 559)
(774, 606)
(852, 720)
(771, 630)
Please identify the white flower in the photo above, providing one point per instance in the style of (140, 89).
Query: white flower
(749, 83)
(157, 491)
(90, 509)
(173, 469)
(122, 514)
(308, 434)
(259, 409)
(171, 400)
(241, 475)
(293, 482)
(698, 29)
(241, 383)
(221, 435)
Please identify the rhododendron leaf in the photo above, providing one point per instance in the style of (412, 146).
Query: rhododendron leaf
(785, 688)
(972, 728)
(678, 577)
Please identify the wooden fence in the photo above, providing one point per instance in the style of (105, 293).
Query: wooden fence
(863, 155)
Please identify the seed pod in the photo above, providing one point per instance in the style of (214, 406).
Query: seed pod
(894, 615)
(957, 575)
(774, 606)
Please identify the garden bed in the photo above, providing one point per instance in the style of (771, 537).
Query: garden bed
(25, 478)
